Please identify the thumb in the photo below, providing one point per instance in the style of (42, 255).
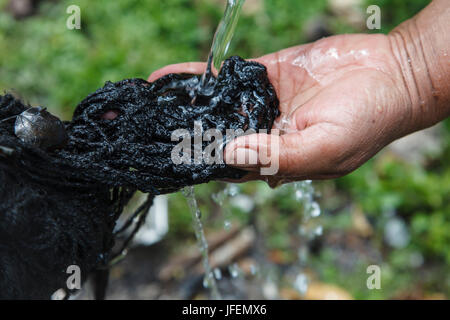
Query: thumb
(304, 153)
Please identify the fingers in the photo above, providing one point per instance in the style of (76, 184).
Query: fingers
(186, 67)
(298, 155)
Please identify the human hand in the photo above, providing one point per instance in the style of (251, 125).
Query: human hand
(345, 98)
(342, 99)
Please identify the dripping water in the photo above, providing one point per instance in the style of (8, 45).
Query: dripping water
(219, 48)
(209, 280)
(308, 230)
(302, 191)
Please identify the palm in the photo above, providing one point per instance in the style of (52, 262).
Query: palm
(328, 75)
(334, 92)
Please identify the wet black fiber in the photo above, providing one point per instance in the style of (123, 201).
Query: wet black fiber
(59, 207)
(49, 218)
(135, 148)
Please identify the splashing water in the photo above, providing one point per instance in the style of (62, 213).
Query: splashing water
(217, 273)
(221, 42)
(301, 283)
(234, 270)
(209, 280)
(230, 190)
(222, 198)
(304, 193)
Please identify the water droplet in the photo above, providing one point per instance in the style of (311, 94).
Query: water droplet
(233, 190)
(315, 210)
(227, 225)
(416, 260)
(318, 231)
(302, 230)
(302, 254)
(396, 233)
(301, 283)
(234, 270)
(270, 290)
(243, 203)
(218, 198)
(206, 282)
(253, 269)
(201, 240)
(59, 294)
(217, 273)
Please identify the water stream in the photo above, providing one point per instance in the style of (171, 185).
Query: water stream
(308, 230)
(302, 191)
(221, 42)
(209, 279)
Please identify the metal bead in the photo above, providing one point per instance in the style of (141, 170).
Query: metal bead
(39, 128)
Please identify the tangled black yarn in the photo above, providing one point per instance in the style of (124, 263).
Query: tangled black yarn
(59, 207)
(135, 148)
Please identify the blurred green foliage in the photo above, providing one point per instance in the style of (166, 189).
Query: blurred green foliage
(47, 64)
(393, 12)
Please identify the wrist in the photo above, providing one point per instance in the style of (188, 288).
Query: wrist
(421, 48)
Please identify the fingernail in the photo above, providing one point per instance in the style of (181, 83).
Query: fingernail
(244, 158)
